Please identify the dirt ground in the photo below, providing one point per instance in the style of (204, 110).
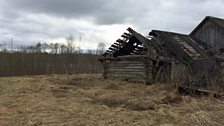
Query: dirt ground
(88, 100)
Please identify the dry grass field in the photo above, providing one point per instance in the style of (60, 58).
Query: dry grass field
(88, 100)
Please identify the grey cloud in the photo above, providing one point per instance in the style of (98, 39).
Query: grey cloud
(63, 7)
(170, 15)
(102, 11)
(114, 11)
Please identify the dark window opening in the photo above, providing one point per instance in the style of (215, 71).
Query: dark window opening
(222, 50)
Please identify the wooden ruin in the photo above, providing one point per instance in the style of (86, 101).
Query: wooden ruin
(167, 57)
(126, 59)
(211, 31)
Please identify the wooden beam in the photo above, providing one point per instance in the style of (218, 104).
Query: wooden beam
(199, 92)
(115, 46)
(135, 50)
(108, 50)
(118, 44)
(130, 29)
(127, 34)
(120, 41)
(124, 36)
(112, 49)
(135, 56)
(126, 57)
(139, 48)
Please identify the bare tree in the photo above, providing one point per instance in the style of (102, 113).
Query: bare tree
(90, 52)
(4, 47)
(38, 47)
(1, 47)
(101, 47)
(70, 44)
(56, 48)
(11, 43)
(51, 46)
(31, 49)
(79, 50)
(44, 47)
(23, 49)
(63, 48)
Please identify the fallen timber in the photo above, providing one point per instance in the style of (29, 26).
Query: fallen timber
(199, 92)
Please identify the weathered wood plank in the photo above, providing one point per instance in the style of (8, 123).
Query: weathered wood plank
(139, 68)
(123, 76)
(127, 34)
(125, 67)
(127, 75)
(120, 41)
(118, 44)
(124, 36)
(126, 72)
(211, 33)
(140, 59)
(115, 46)
(195, 91)
(111, 49)
(126, 62)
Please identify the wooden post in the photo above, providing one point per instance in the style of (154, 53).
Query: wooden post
(148, 71)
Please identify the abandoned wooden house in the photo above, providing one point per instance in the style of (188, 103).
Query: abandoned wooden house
(163, 57)
(166, 57)
(127, 59)
(211, 31)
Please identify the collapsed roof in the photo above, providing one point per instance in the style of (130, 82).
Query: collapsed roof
(162, 47)
(131, 43)
(178, 46)
(160, 44)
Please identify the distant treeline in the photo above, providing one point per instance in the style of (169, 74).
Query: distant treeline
(53, 48)
(18, 63)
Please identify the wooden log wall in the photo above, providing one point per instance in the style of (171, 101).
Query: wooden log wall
(131, 70)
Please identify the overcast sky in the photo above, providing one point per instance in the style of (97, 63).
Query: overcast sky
(94, 21)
